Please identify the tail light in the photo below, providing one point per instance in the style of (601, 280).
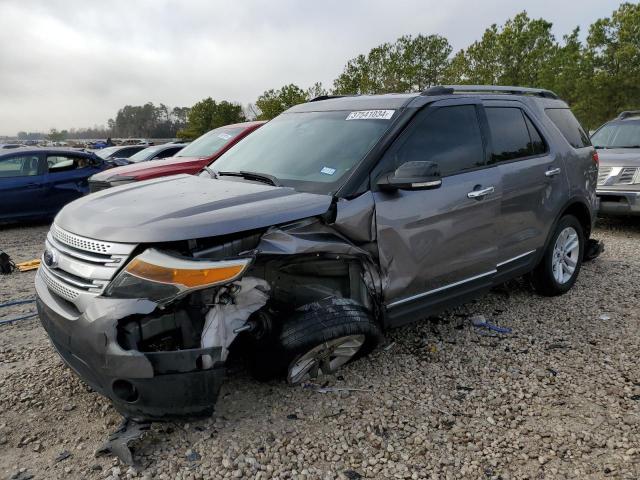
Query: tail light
(595, 157)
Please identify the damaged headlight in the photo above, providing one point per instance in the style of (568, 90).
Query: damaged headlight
(159, 277)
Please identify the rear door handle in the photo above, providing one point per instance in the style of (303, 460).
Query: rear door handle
(480, 193)
(552, 172)
(32, 185)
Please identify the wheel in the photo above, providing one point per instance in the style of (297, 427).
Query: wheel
(318, 338)
(558, 270)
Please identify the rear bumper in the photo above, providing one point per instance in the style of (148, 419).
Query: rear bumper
(141, 385)
(615, 202)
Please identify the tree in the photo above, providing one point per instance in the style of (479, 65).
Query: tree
(410, 64)
(56, 136)
(208, 114)
(273, 102)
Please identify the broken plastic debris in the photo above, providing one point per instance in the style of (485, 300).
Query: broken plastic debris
(479, 321)
(118, 442)
(605, 317)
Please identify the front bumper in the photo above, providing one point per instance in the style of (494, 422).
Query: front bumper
(616, 202)
(141, 385)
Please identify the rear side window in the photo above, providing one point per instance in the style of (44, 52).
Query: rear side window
(569, 127)
(513, 135)
(449, 136)
(22, 166)
(63, 163)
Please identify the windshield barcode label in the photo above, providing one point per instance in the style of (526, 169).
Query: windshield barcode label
(371, 115)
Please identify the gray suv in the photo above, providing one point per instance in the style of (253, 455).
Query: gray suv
(297, 248)
(618, 145)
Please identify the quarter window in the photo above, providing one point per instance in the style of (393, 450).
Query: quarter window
(569, 127)
(513, 135)
(448, 136)
(21, 166)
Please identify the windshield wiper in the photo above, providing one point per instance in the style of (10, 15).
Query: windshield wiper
(212, 173)
(630, 146)
(260, 177)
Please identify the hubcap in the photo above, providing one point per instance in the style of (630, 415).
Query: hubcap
(565, 255)
(326, 358)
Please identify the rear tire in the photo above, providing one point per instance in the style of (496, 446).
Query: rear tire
(559, 268)
(318, 338)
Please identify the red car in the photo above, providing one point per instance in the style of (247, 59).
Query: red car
(191, 159)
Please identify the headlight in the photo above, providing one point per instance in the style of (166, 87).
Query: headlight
(159, 277)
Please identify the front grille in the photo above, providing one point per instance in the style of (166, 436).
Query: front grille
(603, 174)
(96, 186)
(81, 266)
(626, 176)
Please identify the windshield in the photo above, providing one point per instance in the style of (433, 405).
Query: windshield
(311, 151)
(618, 135)
(144, 154)
(105, 152)
(210, 143)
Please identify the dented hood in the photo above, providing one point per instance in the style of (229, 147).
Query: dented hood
(185, 207)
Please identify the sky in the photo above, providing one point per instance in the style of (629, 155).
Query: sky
(74, 63)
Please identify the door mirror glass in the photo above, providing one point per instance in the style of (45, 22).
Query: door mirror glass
(417, 175)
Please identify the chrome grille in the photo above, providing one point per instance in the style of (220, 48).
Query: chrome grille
(603, 174)
(626, 176)
(83, 266)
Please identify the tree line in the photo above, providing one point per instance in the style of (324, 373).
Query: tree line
(598, 77)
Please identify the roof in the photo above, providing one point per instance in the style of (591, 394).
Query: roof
(46, 150)
(394, 101)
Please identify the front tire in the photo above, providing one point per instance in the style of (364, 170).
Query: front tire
(319, 338)
(559, 268)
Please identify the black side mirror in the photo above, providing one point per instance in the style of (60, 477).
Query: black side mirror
(412, 176)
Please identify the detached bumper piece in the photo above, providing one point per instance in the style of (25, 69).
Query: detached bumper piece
(614, 202)
(143, 386)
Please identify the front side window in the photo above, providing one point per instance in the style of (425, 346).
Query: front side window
(310, 151)
(448, 136)
(20, 166)
(618, 135)
(569, 127)
(63, 163)
(513, 135)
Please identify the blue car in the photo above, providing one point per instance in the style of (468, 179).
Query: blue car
(35, 183)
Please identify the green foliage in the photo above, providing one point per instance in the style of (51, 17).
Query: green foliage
(273, 102)
(57, 136)
(208, 114)
(410, 64)
(148, 121)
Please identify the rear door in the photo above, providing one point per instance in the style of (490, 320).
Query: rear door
(67, 178)
(534, 185)
(21, 185)
(438, 245)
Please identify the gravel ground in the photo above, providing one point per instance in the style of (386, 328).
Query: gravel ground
(557, 398)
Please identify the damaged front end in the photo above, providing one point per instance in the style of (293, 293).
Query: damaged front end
(152, 330)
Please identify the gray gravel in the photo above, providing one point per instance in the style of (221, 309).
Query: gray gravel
(557, 398)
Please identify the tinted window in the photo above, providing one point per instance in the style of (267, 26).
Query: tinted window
(448, 136)
(569, 127)
(63, 163)
(126, 152)
(538, 146)
(22, 166)
(169, 152)
(509, 134)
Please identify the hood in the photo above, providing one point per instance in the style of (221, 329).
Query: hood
(619, 157)
(185, 207)
(154, 168)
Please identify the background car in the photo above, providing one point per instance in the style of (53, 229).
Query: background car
(191, 159)
(37, 182)
(618, 144)
(157, 152)
(119, 153)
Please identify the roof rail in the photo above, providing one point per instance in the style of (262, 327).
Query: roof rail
(629, 113)
(327, 97)
(448, 89)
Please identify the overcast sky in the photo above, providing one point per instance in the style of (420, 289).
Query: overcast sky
(74, 63)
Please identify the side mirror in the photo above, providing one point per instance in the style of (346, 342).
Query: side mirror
(412, 176)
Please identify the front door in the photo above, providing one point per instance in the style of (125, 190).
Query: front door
(67, 177)
(22, 185)
(438, 245)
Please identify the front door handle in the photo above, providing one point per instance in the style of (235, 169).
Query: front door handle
(480, 193)
(552, 172)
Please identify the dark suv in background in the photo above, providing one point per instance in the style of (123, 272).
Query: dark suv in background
(618, 144)
(339, 219)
